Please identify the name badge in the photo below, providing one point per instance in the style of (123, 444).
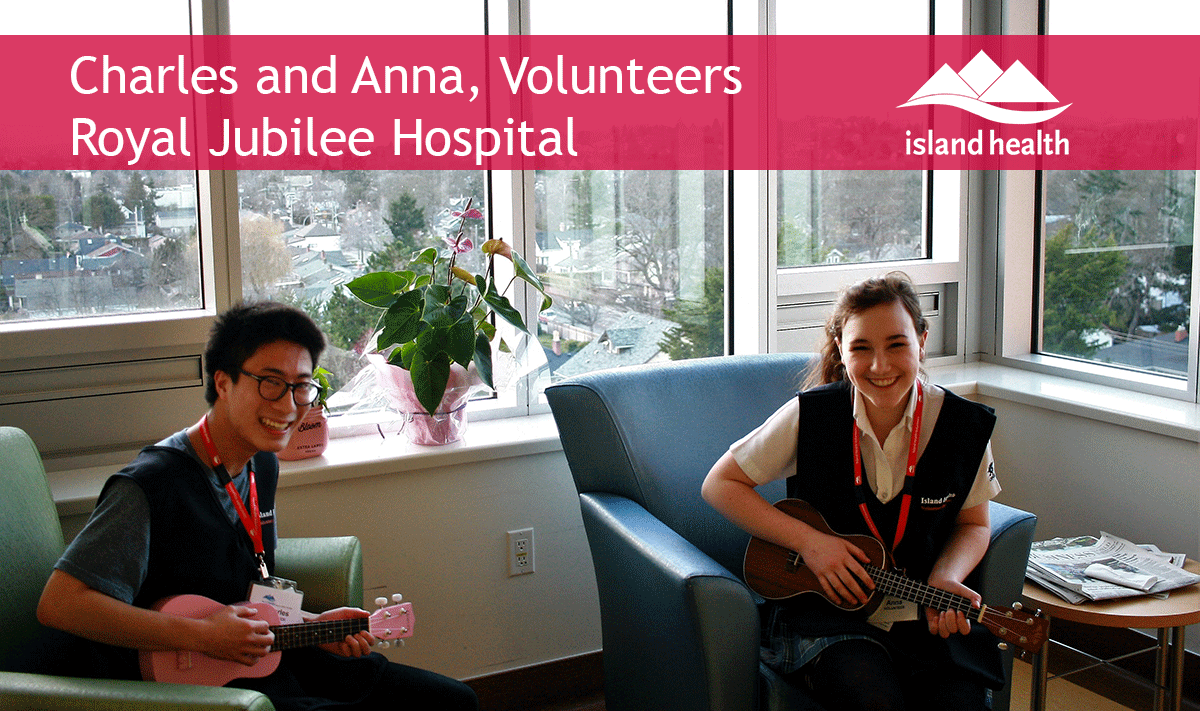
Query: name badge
(893, 610)
(282, 595)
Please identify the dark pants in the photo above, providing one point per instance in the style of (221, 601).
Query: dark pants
(860, 675)
(312, 680)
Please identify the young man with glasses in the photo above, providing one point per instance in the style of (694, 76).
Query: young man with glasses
(195, 514)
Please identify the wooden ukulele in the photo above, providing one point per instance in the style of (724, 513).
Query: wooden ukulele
(777, 573)
(183, 667)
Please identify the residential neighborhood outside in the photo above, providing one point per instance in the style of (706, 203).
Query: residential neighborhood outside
(634, 260)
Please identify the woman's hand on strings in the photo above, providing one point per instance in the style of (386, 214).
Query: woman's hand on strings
(948, 622)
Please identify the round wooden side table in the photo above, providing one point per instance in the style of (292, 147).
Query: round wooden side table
(1170, 617)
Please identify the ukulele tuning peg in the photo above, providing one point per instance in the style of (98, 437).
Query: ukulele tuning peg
(397, 598)
(1002, 646)
(385, 645)
(1018, 606)
(381, 601)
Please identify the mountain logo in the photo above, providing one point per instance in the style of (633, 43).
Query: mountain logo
(981, 84)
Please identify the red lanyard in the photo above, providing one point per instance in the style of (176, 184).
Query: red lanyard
(909, 473)
(252, 523)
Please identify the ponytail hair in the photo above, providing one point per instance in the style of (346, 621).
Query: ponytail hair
(867, 294)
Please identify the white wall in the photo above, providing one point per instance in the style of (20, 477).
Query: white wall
(439, 537)
(1082, 476)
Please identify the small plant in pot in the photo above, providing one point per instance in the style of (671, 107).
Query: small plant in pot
(438, 323)
(311, 436)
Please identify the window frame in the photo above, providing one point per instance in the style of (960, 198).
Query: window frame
(942, 277)
(1014, 253)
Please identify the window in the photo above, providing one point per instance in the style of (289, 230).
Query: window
(305, 234)
(1117, 267)
(1111, 294)
(835, 217)
(87, 243)
(633, 259)
(107, 282)
(843, 216)
(834, 227)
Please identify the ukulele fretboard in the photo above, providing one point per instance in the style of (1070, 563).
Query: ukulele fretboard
(911, 590)
(308, 634)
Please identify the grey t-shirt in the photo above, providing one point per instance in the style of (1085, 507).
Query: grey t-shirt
(112, 552)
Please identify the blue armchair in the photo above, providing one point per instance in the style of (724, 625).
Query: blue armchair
(31, 540)
(680, 628)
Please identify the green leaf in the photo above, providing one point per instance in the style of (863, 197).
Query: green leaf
(460, 341)
(524, 272)
(438, 292)
(440, 314)
(425, 256)
(499, 303)
(483, 359)
(485, 328)
(429, 379)
(379, 288)
(397, 357)
(403, 356)
(504, 309)
(402, 321)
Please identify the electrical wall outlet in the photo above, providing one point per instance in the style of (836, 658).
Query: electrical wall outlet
(520, 552)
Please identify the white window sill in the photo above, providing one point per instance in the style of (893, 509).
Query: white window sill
(370, 455)
(1151, 413)
(75, 490)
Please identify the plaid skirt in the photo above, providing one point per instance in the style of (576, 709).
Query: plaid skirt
(785, 650)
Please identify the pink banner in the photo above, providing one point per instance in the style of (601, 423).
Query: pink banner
(601, 102)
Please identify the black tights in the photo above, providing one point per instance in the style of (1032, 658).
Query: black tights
(859, 675)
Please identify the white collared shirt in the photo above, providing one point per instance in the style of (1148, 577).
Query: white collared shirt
(892, 454)
(769, 452)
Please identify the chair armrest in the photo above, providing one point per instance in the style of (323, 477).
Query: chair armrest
(1001, 574)
(679, 630)
(328, 570)
(60, 693)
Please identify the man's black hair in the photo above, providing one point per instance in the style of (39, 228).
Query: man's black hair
(239, 332)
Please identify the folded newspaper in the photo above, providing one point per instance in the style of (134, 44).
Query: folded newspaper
(1086, 568)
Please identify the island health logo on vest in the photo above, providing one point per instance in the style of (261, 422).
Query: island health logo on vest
(977, 89)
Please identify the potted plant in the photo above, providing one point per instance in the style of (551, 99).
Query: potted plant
(438, 323)
(312, 434)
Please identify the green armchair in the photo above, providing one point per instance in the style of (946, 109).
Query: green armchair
(329, 571)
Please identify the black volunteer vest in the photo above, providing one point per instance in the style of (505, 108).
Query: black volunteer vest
(945, 473)
(194, 546)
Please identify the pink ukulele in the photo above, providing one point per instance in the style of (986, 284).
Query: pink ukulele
(183, 667)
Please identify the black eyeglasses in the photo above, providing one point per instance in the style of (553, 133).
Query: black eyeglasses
(272, 388)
